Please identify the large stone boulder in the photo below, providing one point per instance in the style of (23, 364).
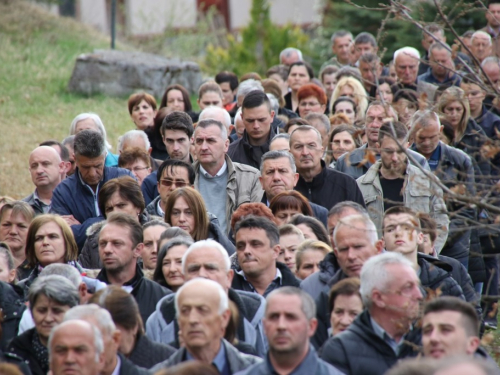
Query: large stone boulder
(119, 73)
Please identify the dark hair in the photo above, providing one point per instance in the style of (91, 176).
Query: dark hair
(255, 99)
(127, 188)
(346, 287)
(428, 224)
(63, 153)
(170, 164)
(400, 209)
(354, 132)
(314, 224)
(407, 94)
(129, 156)
(294, 121)
(369, 58)
(122, 307)
(305, 64)
(281, 70)
(432, 28)
(327, 70)
(136, 99)
(345, 99)
(89, 144)
(250, 75)
(226, 76)
(349, 71)
(397, 131)
(468, 78)
(259, 222)
(178, 120)
(364, 37)
(176, 241)
(124, 220)
(290, 200)
(470, 320)
(255, 208)
(185, 95)
(448, 130)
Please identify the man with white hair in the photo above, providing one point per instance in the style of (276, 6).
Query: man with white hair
(137, 139)
(382, 334)
(202, 310)
(480, 45)
(208, 259)
(290, 55)
(46, 168)
(115, 363)
(223, 184)
(219, 114)
(406, 63)
(76, 347)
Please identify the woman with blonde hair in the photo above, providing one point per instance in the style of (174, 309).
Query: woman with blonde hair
(351, 87)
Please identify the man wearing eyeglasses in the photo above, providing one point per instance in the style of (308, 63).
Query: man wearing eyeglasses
(171, 175)
(319, 184)
(392, 181)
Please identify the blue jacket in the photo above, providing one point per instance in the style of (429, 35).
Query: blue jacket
(73, 197)
(149, 188)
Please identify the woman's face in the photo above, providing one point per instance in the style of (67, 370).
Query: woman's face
(348, 91)
(310, 263)
(342, 143)
(143, 115)
(6, 275)
(454, 113)
(182, 216)
(307, 232)
(87, 124)
(345, 310)
(210, 98)
(46, 315)
(310, 104)
(288, 247)
(171, 267)
(298, 77)
(405, 110)
(284, 216)
(384, 92)
(175, 100)
(347, 109)
(118, 204)
(49, 244)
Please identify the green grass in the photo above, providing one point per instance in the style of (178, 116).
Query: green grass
(37, 55)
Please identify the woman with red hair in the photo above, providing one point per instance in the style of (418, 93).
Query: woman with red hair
(312, 98)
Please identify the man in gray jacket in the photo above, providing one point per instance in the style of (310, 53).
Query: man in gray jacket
(203, 313)
(393, 181)
(223, 184)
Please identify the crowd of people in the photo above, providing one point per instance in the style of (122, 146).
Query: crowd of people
(343, 224)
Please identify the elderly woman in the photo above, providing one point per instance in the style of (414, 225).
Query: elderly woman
(50, 240)
(345, 304)
(142, 110)
(186, 209)
(168, 271)
(122, 194)
(49, 298)
(134, 344)
(312, 99)
(91, 121)
(351, 87)
(287, 204)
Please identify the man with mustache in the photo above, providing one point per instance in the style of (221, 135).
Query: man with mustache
(319, 184)
(46, 169)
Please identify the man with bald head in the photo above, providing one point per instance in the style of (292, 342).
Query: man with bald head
(208, 259)
(76, 347)
(319, 184)
(202, 310)
(46, 168)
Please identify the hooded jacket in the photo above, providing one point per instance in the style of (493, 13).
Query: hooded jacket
(162, 325)
(359, 350)
(73, 197)
(437, 277)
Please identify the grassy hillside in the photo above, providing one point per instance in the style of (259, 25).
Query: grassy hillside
(37, 55)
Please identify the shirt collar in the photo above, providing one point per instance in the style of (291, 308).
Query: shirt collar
(279, 275)
(45, 206)
(380, 332)
(160, 211)
(116, 371)
(218, 174)
(219, 361)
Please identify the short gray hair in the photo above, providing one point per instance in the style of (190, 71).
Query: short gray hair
(131, 134)
(203, 124)
(407, 51)
(177, 241)
(98, 341)
(285, 136)
(308, 306)
(204, 244)
(304, 128)
(481, 33)
(287, 52)
(64, 270)
(223, 298)
(374, 274)
(101, 316)
(278, 154)
(320, 117)
(248, 86)
(211, 110)
(423, 118)
(90, 144)
(56, 288)
(97, 121)
(275, 105)
(340, 207)
(350, 221)
(491, 60)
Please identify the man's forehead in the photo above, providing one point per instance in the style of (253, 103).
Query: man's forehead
(304, 135)
(208, 132)
(277, 163)
(207, 254)
(449, 317)
(401, 218)
(175, 171)
(175, 134)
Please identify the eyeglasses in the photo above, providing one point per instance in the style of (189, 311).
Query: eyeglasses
(177, 183)
(138, 169)
(308, 104)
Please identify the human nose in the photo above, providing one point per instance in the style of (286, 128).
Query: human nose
(345, 320)
(351, 254)
(182, 217)
(315, 268)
